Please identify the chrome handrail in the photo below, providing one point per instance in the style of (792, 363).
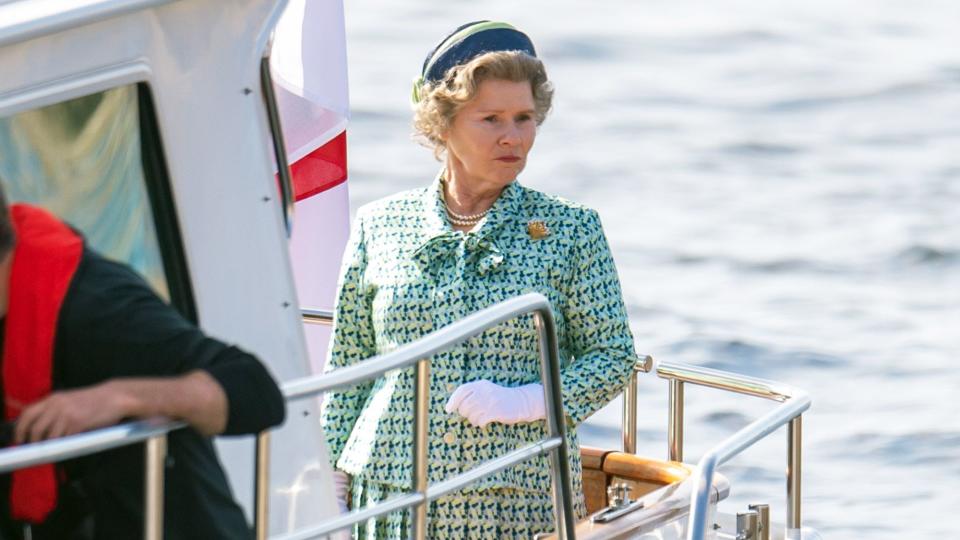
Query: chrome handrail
(628, 428)
(793, 402)
(154, 432)
(419, 353)
(317, 316)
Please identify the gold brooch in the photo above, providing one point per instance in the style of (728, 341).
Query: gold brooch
(537, 229)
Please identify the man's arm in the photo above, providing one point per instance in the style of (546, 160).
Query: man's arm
(196, 398)
(124, 353)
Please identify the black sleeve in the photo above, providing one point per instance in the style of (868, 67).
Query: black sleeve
(113, 325)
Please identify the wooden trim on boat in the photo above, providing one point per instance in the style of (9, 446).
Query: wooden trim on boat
(602, 468)
(660, 484)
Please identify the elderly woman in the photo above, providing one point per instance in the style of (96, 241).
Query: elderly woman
(422, 259)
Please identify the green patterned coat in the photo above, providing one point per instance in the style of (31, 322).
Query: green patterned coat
(407, 273)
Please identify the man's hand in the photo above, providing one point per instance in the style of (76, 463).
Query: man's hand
(195, 398)
(71, 411)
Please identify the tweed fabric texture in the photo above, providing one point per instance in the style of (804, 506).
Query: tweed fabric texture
(406, 273)
(492, 514)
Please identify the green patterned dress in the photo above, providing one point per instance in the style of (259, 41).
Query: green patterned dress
(406, 273)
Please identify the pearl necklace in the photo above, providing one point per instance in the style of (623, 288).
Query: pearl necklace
(463, 220)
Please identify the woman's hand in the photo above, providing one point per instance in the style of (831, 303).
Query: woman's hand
(482, 402)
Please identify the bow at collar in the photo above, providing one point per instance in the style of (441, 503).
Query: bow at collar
(479, 252)
(477, 249)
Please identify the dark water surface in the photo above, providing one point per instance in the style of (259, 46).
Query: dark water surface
(780, 183)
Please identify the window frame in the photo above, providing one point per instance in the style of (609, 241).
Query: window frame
(153, 163)
(156, 176)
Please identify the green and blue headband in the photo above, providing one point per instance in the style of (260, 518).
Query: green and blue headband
(466, 43)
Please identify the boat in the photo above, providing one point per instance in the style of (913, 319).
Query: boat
(155, 127)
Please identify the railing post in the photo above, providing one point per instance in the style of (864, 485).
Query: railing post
(421, 430)
(156, 455)
(552, 395)
(629, 428)
(675, 421)
(794, 450)
(261, 486)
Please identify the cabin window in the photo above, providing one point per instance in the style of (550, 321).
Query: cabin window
(97, 162)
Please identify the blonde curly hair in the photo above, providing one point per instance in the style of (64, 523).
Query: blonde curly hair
(441, 101)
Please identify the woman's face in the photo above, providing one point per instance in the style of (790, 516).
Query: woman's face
(489, 138)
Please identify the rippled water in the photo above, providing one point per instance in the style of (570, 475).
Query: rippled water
(780, 184)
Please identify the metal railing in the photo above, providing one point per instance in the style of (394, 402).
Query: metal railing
(629, 419)
(321, 317)
(154, 432)
(793, 402)
(419, 353)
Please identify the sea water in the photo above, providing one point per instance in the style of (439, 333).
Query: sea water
(780, 186)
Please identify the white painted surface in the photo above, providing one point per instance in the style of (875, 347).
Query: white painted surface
(198, 59)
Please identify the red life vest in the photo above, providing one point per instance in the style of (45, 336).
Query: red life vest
(45, 258)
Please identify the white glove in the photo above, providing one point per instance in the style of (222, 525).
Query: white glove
(341, 488)
(482, 402)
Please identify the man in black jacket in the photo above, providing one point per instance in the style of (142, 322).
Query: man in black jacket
(85, 344)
